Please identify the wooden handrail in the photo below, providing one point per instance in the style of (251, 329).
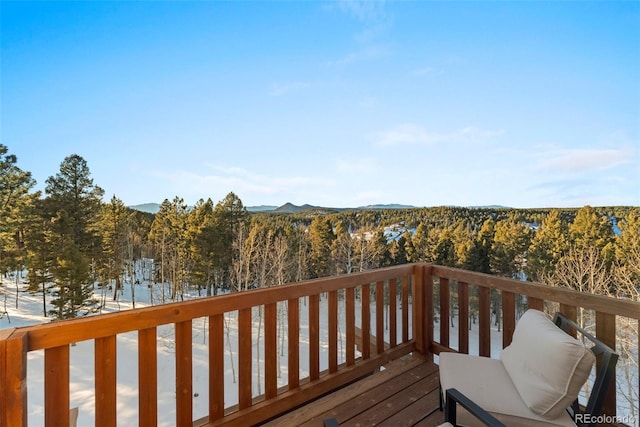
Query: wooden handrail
(68, 331)
(601, 303)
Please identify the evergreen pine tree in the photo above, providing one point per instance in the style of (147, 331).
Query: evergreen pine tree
(73, 205)
(15, 203)
(168, 235)
(420, 244)
(40, 253)
(549, 244)
(202, 237)
(229, 216)
(114, 226)
(15, 185)
(592, 230)
(508, 251)
(628, 241)
(321, 237)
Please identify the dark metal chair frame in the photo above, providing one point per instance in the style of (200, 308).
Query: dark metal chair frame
(605, 371)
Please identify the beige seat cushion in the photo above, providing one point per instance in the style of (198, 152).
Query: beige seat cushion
(487, 383)
(547, 366)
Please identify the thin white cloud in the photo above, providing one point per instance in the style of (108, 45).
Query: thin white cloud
(242, 182)
(405, 134)
(583, 160)
(578, 190)
(363, 10)
(413, 134)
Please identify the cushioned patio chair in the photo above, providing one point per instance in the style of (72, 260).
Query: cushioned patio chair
(538, 377)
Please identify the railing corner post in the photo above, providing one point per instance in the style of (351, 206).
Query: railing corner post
(427, 310)
(13, 378)
(606, 332)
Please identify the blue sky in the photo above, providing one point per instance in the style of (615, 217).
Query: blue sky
(342, 103)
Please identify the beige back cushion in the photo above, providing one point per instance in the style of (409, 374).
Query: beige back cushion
(547, 366)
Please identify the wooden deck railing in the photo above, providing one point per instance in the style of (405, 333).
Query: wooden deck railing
(364, 348)
(439, 291)
(411, 295)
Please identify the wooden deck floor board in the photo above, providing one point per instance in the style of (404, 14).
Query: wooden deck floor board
(311, 413)
(382, 395)
(417, 411)
(388, 406)
(401, 395)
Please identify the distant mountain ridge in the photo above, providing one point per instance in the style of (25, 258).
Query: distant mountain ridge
(147, 207)
(290, 207)
(286, 208)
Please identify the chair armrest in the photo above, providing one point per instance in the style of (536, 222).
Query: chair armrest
(454, 397)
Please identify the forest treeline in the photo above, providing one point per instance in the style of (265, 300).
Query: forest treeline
(69, 241)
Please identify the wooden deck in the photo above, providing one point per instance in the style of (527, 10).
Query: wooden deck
(404, 393)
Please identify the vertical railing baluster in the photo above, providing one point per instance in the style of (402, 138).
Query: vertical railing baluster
(484, 321)
(606, 332)
(418, 325)
(535, 303)
(405, 309)
(427, 297)
(314, 337)
(508, 317)
(105, 381)
(56, 386)
(245, 358)
(333, 331)
(148, 377)
(184, 372)
(444, 311)
(270, 351)
(365, 299)
(393, 313)
(379, 317)
(216, 367)
(572, 314)
(350, 320)
(293, 319)
(463, 317)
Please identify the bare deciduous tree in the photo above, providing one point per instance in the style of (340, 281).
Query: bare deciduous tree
(586, 270)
